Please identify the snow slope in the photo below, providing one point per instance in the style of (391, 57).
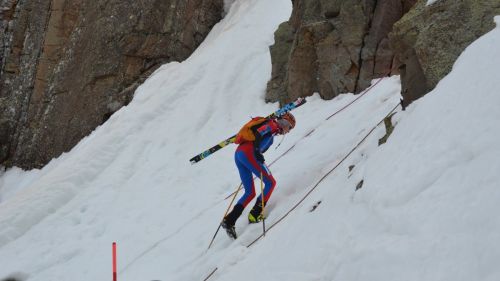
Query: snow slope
(426, 210)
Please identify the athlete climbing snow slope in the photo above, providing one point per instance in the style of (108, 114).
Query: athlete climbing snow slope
(254, 139)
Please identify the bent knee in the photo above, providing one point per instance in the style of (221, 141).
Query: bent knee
(269, 181)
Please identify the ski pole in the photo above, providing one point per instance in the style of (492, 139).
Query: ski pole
(262, 197)
(227, 211)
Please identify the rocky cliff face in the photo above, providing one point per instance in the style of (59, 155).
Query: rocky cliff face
(429, 39)
(332, 47)
(67, 65)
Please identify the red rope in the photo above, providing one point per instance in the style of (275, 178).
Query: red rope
(329, 172)
(315, 185)
(360, 95)
(210, 275)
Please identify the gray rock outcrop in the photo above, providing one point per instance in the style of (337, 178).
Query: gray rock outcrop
(67, 65)
(429, 39)
(333, 47)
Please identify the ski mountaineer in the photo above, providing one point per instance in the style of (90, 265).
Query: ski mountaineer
(249, 159)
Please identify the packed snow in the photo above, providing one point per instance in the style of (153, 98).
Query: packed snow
(430, 2)
(426, 209)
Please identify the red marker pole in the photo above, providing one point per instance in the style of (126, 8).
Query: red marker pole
(114, 262)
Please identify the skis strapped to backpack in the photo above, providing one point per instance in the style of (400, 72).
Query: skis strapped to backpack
(276, 114)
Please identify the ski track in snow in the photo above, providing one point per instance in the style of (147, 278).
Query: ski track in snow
(424, 211)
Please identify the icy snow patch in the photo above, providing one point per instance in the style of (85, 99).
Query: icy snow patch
(14, 180)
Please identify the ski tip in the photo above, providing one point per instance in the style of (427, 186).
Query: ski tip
(301, 101)
(195, 159)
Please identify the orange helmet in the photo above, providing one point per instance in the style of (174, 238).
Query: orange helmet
(286, 123)
(289, 117)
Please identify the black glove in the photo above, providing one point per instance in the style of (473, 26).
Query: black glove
(259, 157)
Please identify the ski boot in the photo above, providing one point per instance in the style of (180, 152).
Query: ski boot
(255, 215)
(229, 221)
(230, 230)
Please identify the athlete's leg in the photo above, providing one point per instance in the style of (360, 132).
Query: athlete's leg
(246, 178)
(248, 185)
(248, 160)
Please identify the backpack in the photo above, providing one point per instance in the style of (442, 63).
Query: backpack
(247, 132)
